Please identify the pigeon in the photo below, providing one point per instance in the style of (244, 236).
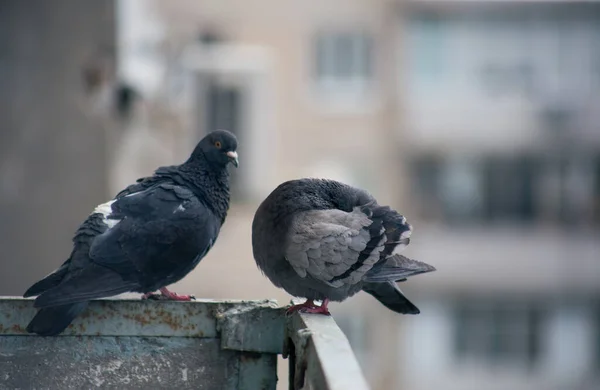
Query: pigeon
(152, 234)
(325, 240)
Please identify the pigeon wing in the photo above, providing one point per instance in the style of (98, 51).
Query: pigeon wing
(160, 230)
(159, 234)
(333, 246)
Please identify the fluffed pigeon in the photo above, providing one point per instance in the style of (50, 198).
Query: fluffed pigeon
(150, 235)
(325, 240)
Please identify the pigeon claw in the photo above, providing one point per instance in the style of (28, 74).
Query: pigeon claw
(309, 307)
(316, 310)
(182, 298)
(166, 295)
(174, 296)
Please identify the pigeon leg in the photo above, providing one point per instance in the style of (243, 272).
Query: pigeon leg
(174, 296)
(310, 307)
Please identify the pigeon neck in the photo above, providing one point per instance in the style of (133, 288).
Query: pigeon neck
(209, 182)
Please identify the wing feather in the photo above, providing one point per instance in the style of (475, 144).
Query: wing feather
(327, 244)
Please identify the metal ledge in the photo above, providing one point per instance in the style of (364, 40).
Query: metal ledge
(130, 343)
(321, 356)
(135, 317)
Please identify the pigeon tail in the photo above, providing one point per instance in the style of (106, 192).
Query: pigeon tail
(396, 268)
(391, 297)
(50, 321)
(93, 282)
(47, 283)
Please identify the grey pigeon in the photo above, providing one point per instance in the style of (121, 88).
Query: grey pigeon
(150, 235)
(325, 240)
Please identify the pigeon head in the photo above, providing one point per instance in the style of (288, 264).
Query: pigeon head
(219, 148)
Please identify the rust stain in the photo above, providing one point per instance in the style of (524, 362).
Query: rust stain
(178, 318)
(138, 318)
(173, 322)
(18, 328)
(141, 319)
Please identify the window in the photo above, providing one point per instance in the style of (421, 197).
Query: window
(509, 189)
(461, 189)
(487, 189)
(343, 62)
(506, 63)
(425, 174)
(427, 42)
(500, 79)
(524, 53)
(224, 110)
(497, 333)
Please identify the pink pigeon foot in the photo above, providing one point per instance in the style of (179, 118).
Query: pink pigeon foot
(310, 307)
(174, 296)
(166, 294)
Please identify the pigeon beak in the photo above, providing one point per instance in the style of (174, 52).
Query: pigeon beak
(233, 158)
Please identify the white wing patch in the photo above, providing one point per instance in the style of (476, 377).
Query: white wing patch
(179, 209)
(403, 240)
(106, 210)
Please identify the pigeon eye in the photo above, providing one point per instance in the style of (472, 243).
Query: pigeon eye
(218, 144)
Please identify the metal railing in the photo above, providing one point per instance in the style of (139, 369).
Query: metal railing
(130, 343)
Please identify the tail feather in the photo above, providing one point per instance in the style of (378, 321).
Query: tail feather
(47, 283)
(93, 282)
(50, 321)
(396, 268)
(391, 297)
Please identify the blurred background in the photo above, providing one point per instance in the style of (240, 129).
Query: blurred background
(478, 120)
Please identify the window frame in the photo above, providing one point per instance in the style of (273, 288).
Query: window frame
(328, 81)
(486, 323)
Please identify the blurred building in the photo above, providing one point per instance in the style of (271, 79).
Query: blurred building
(502, 108)
(477, 119)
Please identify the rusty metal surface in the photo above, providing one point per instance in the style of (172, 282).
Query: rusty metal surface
(252, 328)
(116, 362)
(135, 344)
(130, 317)
(129, 343)
(320, 355)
